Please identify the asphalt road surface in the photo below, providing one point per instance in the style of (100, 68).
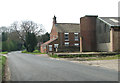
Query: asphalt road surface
(28, 67)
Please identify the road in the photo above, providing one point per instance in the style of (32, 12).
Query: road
(28, 67)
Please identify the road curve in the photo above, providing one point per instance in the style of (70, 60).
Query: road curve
(28, 67)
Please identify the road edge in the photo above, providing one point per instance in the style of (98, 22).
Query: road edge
(7, 74)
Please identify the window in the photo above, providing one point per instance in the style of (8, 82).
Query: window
(66, 43)
(50, 47)
(76, 44)
(66, 36)
(76, 36)
(55, 45)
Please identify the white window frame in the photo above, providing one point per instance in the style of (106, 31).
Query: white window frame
(68, 36)
(56, 45)
(66, 33)
(50, 47)
(66, 43)
(77, 35)
(76, 44)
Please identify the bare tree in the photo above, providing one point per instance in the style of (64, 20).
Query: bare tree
(3, 29)
(27, 26)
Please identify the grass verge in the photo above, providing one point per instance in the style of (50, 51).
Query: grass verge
(88, 57)
(3, 52)
(34, 52)
(2, 65)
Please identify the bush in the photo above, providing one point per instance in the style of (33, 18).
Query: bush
(3, 52)
(36, 51)
(54, 56)
(24, 51)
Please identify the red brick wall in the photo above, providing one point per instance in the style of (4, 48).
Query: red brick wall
(61, 42)
(88, 33)
(53, 33)
(43, 50)
(52, 43)
(71, 39)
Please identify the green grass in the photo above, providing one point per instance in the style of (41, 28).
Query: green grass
(34, 52)
(3, 60)
(2, 64)
(88, 57)
(54, 56)
(3, 52)
(70, 56)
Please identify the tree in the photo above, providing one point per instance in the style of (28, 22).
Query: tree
(9, 40)
(45, 37)
(4, 36)
(24, 31)
(31, 42)
(27, 26)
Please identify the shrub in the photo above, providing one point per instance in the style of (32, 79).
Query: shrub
(36, 51)
(4, 52)
(25, 51)
(54, 56)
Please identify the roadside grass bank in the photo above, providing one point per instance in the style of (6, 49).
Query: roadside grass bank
(87, 57)
(2, 66)
(34, 52)
(4, 52)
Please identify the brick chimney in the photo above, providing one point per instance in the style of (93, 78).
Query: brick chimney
(54, 20)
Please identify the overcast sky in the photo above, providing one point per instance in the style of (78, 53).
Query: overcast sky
(66, 11)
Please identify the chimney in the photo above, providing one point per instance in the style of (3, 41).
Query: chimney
(54, 20)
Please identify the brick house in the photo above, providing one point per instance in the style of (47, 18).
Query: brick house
(64, 37)
(99, 34)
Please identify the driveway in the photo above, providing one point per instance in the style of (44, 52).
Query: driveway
(28, 67)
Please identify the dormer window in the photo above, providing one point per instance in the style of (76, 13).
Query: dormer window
(66, 35)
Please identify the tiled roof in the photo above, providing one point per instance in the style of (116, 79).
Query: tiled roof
(67, 27)
(46, 43)
(112, 21)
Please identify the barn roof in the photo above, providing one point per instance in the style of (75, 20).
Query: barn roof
(112, 21)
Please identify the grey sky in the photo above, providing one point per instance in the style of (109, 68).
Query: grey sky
(66, 11)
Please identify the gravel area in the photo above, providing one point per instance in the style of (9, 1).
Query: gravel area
(111, 64)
